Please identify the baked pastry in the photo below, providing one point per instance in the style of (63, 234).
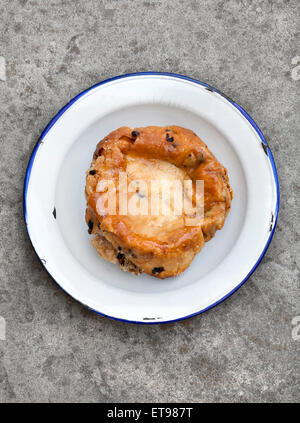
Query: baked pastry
(159, 245)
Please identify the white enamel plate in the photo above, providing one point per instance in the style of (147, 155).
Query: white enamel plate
(54, 201)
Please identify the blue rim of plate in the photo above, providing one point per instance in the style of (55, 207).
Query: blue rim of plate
(266, 148)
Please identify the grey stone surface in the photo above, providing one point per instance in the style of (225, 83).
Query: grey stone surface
(55, 350)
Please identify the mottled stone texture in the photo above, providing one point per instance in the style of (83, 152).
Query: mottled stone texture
(55, 350)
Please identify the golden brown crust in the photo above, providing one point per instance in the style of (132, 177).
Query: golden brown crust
(174, 250)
